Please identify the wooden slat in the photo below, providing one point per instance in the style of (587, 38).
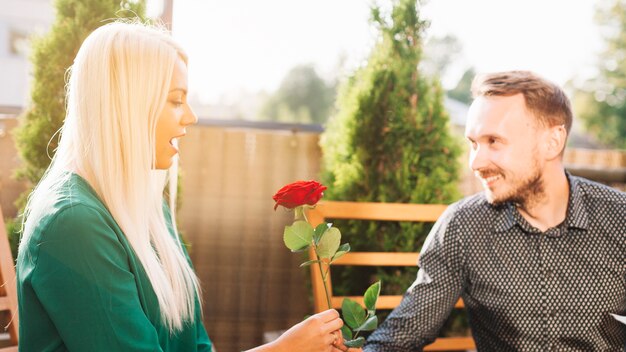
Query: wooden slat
(5, 304)
(381, 211)
(378, 259)
(384, 302)
(451, 343)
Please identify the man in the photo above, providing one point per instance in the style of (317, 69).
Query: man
(539, 258)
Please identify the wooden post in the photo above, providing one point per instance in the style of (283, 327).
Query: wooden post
(8, 286)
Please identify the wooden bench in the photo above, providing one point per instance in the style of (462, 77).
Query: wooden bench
(380, 212)
(8, 288)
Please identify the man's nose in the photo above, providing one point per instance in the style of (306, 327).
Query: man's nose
(478, 158)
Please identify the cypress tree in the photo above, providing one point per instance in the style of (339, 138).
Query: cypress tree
(389, 142)
(52, 54)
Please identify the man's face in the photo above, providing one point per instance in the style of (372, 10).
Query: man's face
(505, 154)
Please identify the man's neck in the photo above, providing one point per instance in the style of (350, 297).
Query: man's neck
(549, 210)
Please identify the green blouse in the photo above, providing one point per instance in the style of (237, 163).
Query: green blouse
(81, 287)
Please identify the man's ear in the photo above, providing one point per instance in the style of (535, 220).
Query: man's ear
(555, 143)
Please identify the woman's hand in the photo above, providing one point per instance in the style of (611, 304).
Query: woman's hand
(318, 333)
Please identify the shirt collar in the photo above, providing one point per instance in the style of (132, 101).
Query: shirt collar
(576, 216)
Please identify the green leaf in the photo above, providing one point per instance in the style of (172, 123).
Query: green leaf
(371, 296)
(329, 243)
(346, 332)
(343, 249)
(356, 343)
(370, 324)
(319, 232)
(353, 313)
(307, 263)
(298, 236)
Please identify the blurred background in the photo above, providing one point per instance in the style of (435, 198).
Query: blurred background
(264, 78)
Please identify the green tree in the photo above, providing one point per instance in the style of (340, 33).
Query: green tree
(389, 142)
(51, 56)
(462, 91)
(303, 97)
(601, 101)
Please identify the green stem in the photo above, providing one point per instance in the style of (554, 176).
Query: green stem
(319, 262)
(303, 212)
(319, 265)
(298, 213)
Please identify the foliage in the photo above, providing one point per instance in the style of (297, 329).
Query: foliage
(13, 227)
(303, 97)
(389, 142)
(52, 54)
(462, 92)
(601, 101)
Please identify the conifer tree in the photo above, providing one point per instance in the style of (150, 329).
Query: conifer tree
(389, 142)
(52, 54)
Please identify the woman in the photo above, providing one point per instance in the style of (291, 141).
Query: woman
(100, 266)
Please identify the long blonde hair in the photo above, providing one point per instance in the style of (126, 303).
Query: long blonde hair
(117, 88)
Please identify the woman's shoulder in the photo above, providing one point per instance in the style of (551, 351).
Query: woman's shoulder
(73, 205)
(68, 226)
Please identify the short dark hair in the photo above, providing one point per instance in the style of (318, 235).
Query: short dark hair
(544, 99)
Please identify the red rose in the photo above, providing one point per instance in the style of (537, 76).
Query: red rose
(299, 193)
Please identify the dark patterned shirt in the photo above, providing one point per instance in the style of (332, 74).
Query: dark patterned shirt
(524, 290)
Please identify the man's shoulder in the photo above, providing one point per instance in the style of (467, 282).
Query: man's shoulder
(473, 203)
(600, 194)
(474, 208)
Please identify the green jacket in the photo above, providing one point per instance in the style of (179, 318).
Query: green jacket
(81, 287)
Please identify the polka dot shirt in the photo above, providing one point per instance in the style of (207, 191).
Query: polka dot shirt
(524, 290)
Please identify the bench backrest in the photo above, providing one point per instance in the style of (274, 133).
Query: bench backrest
(379, 212)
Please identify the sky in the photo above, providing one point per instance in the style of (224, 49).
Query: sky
(248, 45)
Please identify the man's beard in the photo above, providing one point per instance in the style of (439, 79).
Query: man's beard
(526, 193)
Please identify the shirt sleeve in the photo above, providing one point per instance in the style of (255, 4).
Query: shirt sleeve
(83, 280)
(430, 299)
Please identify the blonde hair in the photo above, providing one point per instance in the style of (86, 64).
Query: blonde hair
(117, 88)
